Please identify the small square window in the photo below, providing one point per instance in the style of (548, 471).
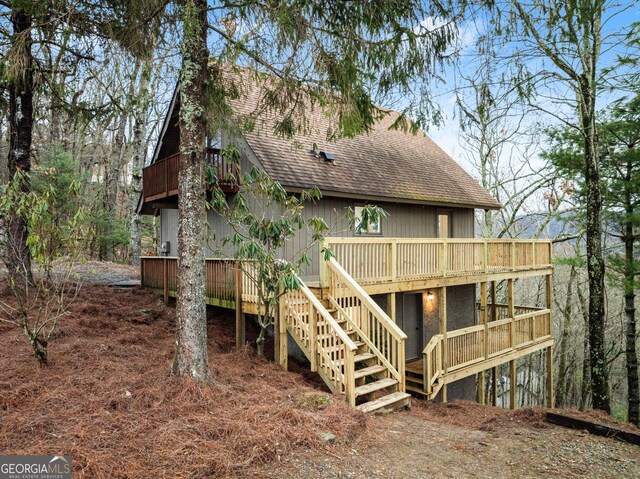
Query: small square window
(369, 229)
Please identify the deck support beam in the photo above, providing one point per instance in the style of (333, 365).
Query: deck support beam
(241, 327)
(442, 324)
(281, 351)
(512, 331)
(391, 306)
(550, 393)
(494, 370)
(494, 386)
(513, 386)
(485, 345)
(550, 399)
(165, 281)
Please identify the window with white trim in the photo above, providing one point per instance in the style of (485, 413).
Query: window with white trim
(369, 229)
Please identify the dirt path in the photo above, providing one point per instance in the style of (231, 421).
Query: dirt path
(408, 445)
(103, 272)
(98, 272)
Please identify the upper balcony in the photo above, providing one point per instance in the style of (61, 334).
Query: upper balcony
(386, 265)
(160, 180)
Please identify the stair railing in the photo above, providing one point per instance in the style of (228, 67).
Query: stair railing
(363, 315)
(330, 349)
(432, 363)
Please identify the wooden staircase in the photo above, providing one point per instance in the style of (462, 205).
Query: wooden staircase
(356, 356)
(374, 389)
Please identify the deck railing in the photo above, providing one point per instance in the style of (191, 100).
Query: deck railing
(329, 348)
(379, 260)
(501, 311)
(363, 315)
(432, 363)
(160, 180)
(470, 346)
(160, 273)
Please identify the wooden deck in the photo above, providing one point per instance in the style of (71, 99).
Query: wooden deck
(160, 180)
(355, 346)
(393, 265)
(468, 360)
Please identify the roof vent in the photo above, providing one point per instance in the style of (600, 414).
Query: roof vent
(314, 150)
(327, 156)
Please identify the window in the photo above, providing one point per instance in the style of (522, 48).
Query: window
(370, 228)
(444, 225)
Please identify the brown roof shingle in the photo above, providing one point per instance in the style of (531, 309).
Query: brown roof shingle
(383, 163)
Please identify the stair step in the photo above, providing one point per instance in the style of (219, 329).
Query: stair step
(359, 358)
(375, 386)
(392, 401)
(327, 336)
(414, 379)
(336, 348)
(368, 371)
(415, 390)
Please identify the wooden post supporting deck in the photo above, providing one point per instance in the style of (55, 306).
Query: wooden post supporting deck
(281, 353)
(494, 386)
(512, 384)
(494, 371)
(391, 306)
(165, 281)
(442, 316)
(512, 330)
(550, 398)
(240, 318)
(485, 342)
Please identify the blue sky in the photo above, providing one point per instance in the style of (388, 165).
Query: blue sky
(618, 19)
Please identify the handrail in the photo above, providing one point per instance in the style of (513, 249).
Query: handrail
(497, 337)
(330, 349)
(362, 239)
(370, 303)
(432, 362)
(531, 314)
(384, 260)
(327, 317)
(363, 316)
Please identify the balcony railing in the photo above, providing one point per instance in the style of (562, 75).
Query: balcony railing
(470, 350)
(386, 260)
(160, 180)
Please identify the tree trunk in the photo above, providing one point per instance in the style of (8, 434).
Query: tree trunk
(139, 155)
(585, 387)
(595, 259)
(18, 259)
(191, 335)
(629, 305)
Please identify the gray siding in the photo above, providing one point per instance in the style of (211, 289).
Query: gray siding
(404, 221)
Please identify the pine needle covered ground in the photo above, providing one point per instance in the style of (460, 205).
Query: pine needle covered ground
(107, 399)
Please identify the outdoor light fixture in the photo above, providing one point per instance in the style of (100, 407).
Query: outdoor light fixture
(430, 295)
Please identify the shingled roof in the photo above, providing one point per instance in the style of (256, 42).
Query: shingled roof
(381, 164)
